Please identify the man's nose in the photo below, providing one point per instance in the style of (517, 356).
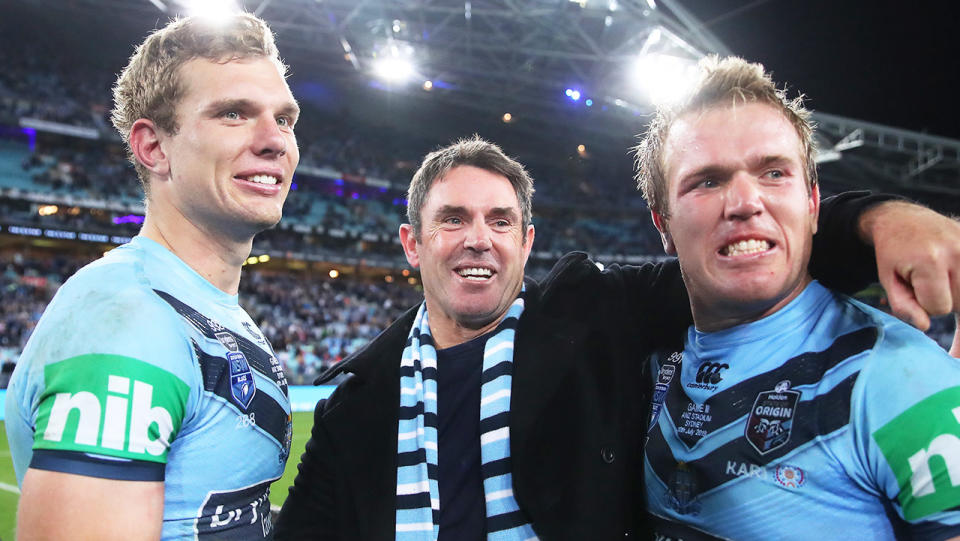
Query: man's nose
(477, 236)
(743, 197)
(268, 139)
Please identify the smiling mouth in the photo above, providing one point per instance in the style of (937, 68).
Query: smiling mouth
(745, 247)
(476, 274)
(261, 179)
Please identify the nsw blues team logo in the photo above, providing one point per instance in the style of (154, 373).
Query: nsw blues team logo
(241, 379)
(771, 418)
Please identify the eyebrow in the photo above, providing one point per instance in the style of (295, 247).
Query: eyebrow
(773, 159)
(506, 212)
(444, 210)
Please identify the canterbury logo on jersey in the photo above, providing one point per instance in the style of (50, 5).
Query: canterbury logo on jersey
(922, 447)
(710, 372)
(88, 406)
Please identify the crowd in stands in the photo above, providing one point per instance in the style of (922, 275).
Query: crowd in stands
(312, 321)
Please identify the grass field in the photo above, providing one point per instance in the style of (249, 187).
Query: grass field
(8, 495)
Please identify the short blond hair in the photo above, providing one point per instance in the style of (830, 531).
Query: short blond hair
(723, 82)
(150, 85)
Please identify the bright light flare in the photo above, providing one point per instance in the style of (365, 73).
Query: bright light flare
(215, 12)
(573, 94)
(393, 69)
(334, 273)
(664, 78)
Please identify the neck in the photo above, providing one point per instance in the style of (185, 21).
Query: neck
(447, 333)
(215, 257)
(726, 313)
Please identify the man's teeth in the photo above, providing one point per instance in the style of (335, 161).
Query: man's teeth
(263, 179)
(745, 247)
(475, 273)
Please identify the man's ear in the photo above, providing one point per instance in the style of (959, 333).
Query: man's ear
(528, 242)
(409, 242)
(815, 205)
(665, 237)
(145, 145)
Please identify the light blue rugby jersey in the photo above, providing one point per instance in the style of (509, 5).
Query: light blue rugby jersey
(140, 369)
(826, 420)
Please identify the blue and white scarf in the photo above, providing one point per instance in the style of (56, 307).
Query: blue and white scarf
(418, 494)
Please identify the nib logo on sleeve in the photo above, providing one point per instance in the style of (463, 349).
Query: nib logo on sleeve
(88, 406)
(922, 447)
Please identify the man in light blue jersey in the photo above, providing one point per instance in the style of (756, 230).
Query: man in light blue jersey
(147, 403)
(790, 411)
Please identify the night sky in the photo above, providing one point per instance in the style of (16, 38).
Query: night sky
(893, 63)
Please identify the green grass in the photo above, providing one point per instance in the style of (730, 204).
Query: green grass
(302, 423)
(8, 499)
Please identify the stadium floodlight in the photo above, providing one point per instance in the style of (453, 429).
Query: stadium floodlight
(213, 11)
(393, 69)
(393, 62)
(573, 94)
(664, 78)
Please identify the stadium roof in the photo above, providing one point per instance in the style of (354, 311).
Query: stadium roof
(519, 56)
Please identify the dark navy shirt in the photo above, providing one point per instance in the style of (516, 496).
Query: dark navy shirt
(462, 503)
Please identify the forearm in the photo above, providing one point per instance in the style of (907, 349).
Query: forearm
(843, 255)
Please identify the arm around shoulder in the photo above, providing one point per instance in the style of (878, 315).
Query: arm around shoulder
(88, 508)
(309, 511)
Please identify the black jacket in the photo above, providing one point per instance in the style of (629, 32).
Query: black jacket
(577, 403)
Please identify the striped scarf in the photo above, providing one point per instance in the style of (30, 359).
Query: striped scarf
(418, 494)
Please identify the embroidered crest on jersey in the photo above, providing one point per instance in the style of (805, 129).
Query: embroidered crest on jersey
(241, 379)
(771, 418)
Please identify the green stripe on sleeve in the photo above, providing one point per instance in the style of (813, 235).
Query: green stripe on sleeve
(922, 447)
(110, 405)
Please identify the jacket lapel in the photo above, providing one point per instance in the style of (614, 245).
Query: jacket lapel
(366, 422)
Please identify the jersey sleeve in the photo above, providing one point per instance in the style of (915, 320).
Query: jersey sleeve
(840, 260)
(907, 420)
(108, 384)
(648, 300)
